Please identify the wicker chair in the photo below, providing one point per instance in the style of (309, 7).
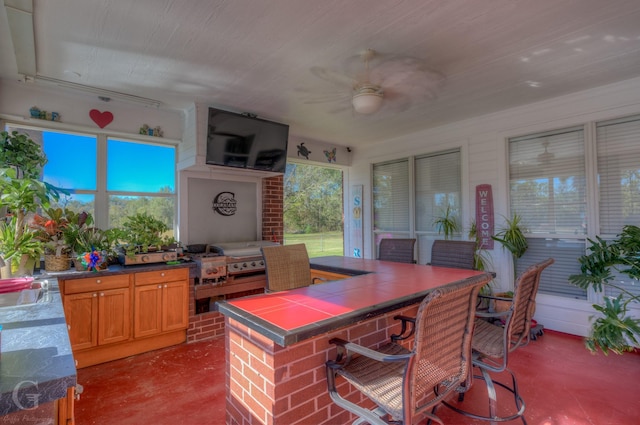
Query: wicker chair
(398, 250)
(493, 340)
(458, 254)
(401, 382)
(287, 267)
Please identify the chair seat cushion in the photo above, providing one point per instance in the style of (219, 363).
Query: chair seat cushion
(382, 382)
(488, 339)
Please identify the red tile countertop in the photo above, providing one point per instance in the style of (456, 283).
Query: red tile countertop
(377, 287)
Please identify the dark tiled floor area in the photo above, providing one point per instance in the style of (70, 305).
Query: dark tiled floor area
(561, 382)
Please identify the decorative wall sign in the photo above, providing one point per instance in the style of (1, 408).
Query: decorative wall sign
(303, 151)
(484, 215)
(225, 203)
(356, 221)
(331, 155)
(103, 119)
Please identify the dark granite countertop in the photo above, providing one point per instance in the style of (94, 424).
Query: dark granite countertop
(118, 269)
(36, 364)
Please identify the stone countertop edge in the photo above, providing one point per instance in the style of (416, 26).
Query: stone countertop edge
(36, 364)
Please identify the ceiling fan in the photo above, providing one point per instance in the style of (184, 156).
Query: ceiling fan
(545, 156)
(374, 81)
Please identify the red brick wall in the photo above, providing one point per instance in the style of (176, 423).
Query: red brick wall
(273, 385)
(272, 209)
(211, 325)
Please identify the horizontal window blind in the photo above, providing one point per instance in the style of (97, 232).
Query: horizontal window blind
(548, 184)
(618, 150)
(555, 278)
(391, 196)
(438, 185)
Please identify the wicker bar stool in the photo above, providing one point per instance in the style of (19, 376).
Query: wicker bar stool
(493, 340)
(401, 382)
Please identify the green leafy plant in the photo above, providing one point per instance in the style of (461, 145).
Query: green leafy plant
(143, 230)
(23, 154)
(614, 329)
(447, 223)
(512, 238)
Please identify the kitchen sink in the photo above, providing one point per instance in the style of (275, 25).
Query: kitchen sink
(32, 294)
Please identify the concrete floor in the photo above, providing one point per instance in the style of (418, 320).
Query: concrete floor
(561, 382)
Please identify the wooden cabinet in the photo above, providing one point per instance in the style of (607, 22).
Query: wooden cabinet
(115, 316)
(161, 302)
(97, 311)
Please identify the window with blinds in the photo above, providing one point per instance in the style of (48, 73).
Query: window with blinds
(548, 190)
(618, 151)
(391, 196)
(426, 183)
(438, 185)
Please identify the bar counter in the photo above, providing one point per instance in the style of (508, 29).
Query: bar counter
(277, 343)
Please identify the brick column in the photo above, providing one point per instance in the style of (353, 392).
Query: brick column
(272, 208)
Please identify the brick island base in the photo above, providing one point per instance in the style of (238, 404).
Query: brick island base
(274, 385)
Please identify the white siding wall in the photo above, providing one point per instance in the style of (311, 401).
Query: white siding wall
(483, 144)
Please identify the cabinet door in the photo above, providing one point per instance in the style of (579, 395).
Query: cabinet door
(147, 310)
(175, 306)
(81, 311)
(114, 318)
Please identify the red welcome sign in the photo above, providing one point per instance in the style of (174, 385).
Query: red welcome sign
(484, 215)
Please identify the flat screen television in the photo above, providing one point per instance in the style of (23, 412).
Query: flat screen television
(243, 141)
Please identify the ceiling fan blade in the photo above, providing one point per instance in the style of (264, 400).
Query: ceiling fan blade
(333, 77)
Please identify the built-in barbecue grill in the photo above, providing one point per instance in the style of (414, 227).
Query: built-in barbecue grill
(228, 269)
(242, 257)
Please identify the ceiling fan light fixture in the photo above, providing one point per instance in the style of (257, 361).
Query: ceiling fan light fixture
(367, 99)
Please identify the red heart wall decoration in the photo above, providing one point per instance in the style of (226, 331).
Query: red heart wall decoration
(101, 118)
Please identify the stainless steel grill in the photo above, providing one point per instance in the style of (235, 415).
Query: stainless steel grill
(242, 257)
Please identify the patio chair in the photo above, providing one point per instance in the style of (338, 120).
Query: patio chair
(493, 340)
(287, 267)
(458, 254)
(397, 250)
(400, 381)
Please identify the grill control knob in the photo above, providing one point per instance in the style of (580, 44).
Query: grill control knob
(253, 264)
(244, 264)
(235, 266)
(145, 258)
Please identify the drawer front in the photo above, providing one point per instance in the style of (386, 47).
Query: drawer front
(161, 276)
(76, 286)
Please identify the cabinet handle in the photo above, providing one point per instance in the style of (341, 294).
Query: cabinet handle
(98, 281)
(102, 294)
(165, 285)
(95, 294)
(159, 286)
(162, 274)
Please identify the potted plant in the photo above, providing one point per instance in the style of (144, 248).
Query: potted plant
(19, 248)
(91, 246)
(142, 231)
(447, 223)
(21, 193)
(512, 238)
(615, 329)
(49, 228)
